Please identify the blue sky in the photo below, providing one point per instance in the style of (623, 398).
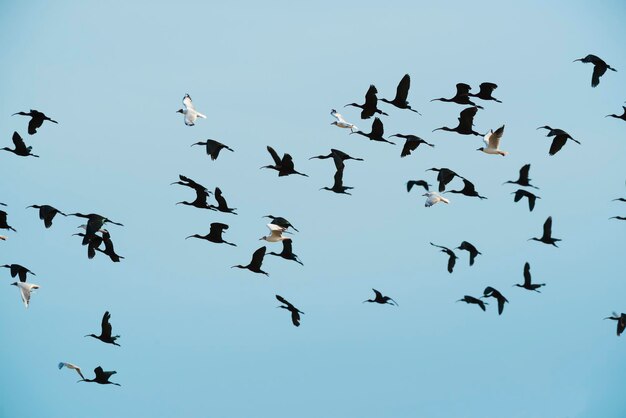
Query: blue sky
(201, 339)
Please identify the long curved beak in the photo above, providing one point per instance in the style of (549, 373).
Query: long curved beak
(438, 129)
(190, 236)
(579, 59)
(198, 143)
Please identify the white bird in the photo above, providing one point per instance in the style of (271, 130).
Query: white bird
(434, 197)
(276, 234)
(341, 122)
(190, 112)
(71, 366)
(25, 289)
(492, 142)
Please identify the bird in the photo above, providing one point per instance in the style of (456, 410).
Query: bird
(256, 262)
(621, 322)
(202, 193)
(622, 116)
(20, 147)
(520, 193)
(444, 176)
(276, 234)
(451, 256)
(25, 290)
(71, 366)
(36, 120)
(492, 142)
(215, 234)
(619, 218)
(18, 271)
(3, 221)
(102, 377)
(213, 148)
(280, 221)
(491, 292)
(371, 104)
(599, 67)
(402, 92)
(46, 213)
(190, 112)
(341, 122)
(379, 298)
(560, 138)
(106, 332)
(377, 132)
(338, 156)
(461, 97)
(466, 123)
(222, 206)
(94, 223)
(411, 143)
(468, 190)
(108, 247)
(486, 89)
(523, 179)
(527, 283)
(295, 312)
(284, 166)
(472, 300)
(473, 252)
(287, 252)
(422, 183)
(94, 243)
(546, 238)
(433, 198)
(338, 186)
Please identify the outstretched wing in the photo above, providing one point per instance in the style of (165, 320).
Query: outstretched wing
(274, 155)
(188, 103)
(106, 325)
(402, 91)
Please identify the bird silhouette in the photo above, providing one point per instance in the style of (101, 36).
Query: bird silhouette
(215, 234)
(190, 112)
(287, 252)
(377, 132)
(422, 183)
(295, 312)
(106, 332)
(72, 367)
(451, 256)
(20, 147)
(411, 143)
(527, 281)
(202, 193)
(466, 123)
(461, 97)
(473, 252)
(338, 186)
(619, 218)
(621, 322)
(383, 300)
(256, 262)
(491, 292)
(102, 377)
(108, 247)
(3, 221)
(17, 270)
(280, 221)
(523, 179)
(560, 138)
(468, 190)
(402, 92)
(622, 116)
(46, 213)
(94, 243)
(36, 120)
(444, 176)
(546, 238)
(222, 206)
(339, 157)
(519, 194)
(213, 148)
(472, 300)
(486, 91)
(284, 166)
(371, 104)
(599, 68)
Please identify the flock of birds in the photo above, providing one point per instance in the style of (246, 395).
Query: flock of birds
(97, 239)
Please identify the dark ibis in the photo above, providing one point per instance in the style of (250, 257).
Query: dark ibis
(106, 331)
(421, 183)
(523, 179)
(383, 300)
(469, 247)
(411, 143)
(402, 92)
(36, 120)
(284, 166)
(468, 190)
(46, 213)
(377, 132)
(215, 234)
(451, 256)
(222, 206)
(20, 147)
(493, 293)
(287, 252)
(466, 123)
(280, 221)
(461, 97)
(485, 92)
(546, 238)
(18, 271)
(213, 148)
(621, 322)
(102, 377)
(520, 193)
(599, 67)
(256, 262)
(371, 104)
(622, 116)
(295, 312)
(559, 140)
(528, 285)
(472, 300)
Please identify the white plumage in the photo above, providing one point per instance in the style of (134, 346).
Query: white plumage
(190, 112)
(433, 198)
(276, 233)
(492, 142)
(25, 290)
(71, 366)
(341, 122)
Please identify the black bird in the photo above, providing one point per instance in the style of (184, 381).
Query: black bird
(108, 247)
(371, 104)
(102, 377)
(523, 179)
(560, 138)
(94, 223)
(338, 156)
(468, 190)
(411, 143)
(215, 234)
(452, 257)
(280, 221)
(546, 238)
(377, 132)
(466, 123)
(295, 312)
(284, 166)
(18, 270)
(530, 196)
(402, 92)
(256, 262)
(94, 244)
(202, 193)
(461, 97)
(470, 299)
(444, 176)
(20, 147)
(379, 298)
(599, 68)
(422, 183)
(619, 218)
(287, 252)
(213, 148)
(527, 283)
(491, 292)
(105, 335)
(222, 206)
(3, 221)
(338, 186)
(486, 89)
(621, 322)
(622, 116)
(46, 213)
(36, 120)
(473, 252)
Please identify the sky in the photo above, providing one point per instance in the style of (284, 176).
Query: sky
(201, 339)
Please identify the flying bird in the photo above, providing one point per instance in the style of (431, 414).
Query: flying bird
(402, 92)
(519, 194)
(215, 234)
(461, 97)
(338, 186)
(280, 221)
(377, 132)
(341, 122)
(256, 262)
(622, 116)
(222, 206)
(379, 298)
(523, 179)
(284, 166)
(3, 221)
(213, 148)
(421, 183)
(619, 218)
(108, 247)
(621, 322)
(338, 156)
(202, 193)
(411, 143)
(472, 300)
(94, 224)
(468, 190)
(444, 177)
(25, 290)
(485, 92)
(599, 68)
(433, 198)
(287, 252)
(106, 331)
(18, 271)
(473, 252)
(20, 147)
(492, 142)
(528, 285)
(546, 238)
(560, 138)
(295, 312)
(466, 123)
(72, 367)
(451, 256)
(102, 377)
(276, 234)
(371, 104)
(491, 292)
(190, 112)
(36, 120)
(46, 213)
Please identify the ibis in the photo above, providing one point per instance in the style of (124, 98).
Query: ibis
(213, 148)
(106, 335)
(256, 262)
(421, 183)
(280, 221)
(215, 234)
(444, 176)
(622, 116)
(523, 179)
(3, 221)
(37, 119)
(222, 206)
(528, 285)
(472, 300)
(284, 166)
(411, 143)
(295, 312)
(466, 123)
(20, 147)
(461, 97)
(621, 322)
(102, 377)
(559, 140)
(520, 193)
(493, 293)
(46, 213)
(402, 92)
(338, 186)
(468, 190)
(546, 238)
(371, 104)
(486, 91)
(451, 256)
(383, 300)
(17, 270)
(287, 252)
(376, 133)
(469, 247)
(599, 67)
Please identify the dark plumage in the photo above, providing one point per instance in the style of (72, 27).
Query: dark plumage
(402, 92)
(560, 138)
(622, 116)
(284, 166)
(466, 123)
(493, 293)
(18, 270)
(599, 68)
(108, 247)
(36, 120)
(202, 193)
(621, 322)
(520, 193)
(287, 252)
(379, 298)
(280, 221)
(486, 89)
(472, 300)
(422, 183)
(213, 148)
(468, 190)
(256, 262)
(3, 221)
(528, 285)
(523, 179)
(46, 213)
(444, 176)
(20, 147)
(377, 132)
(215, 234)
(102, 377)
(338, 156)
(371, 104)
(338, 186)
(546, 238)
(106, 331)
(461, 97)
(451, 256)
(222, 206)
(295, 312)
(94, 223)
(411, 143)
(473, 252)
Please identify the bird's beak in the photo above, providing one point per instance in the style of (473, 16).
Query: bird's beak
(189, 236)
(479, 149)
(197, 143)
(579, 59)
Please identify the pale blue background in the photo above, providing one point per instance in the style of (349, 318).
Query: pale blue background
(200, 339)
